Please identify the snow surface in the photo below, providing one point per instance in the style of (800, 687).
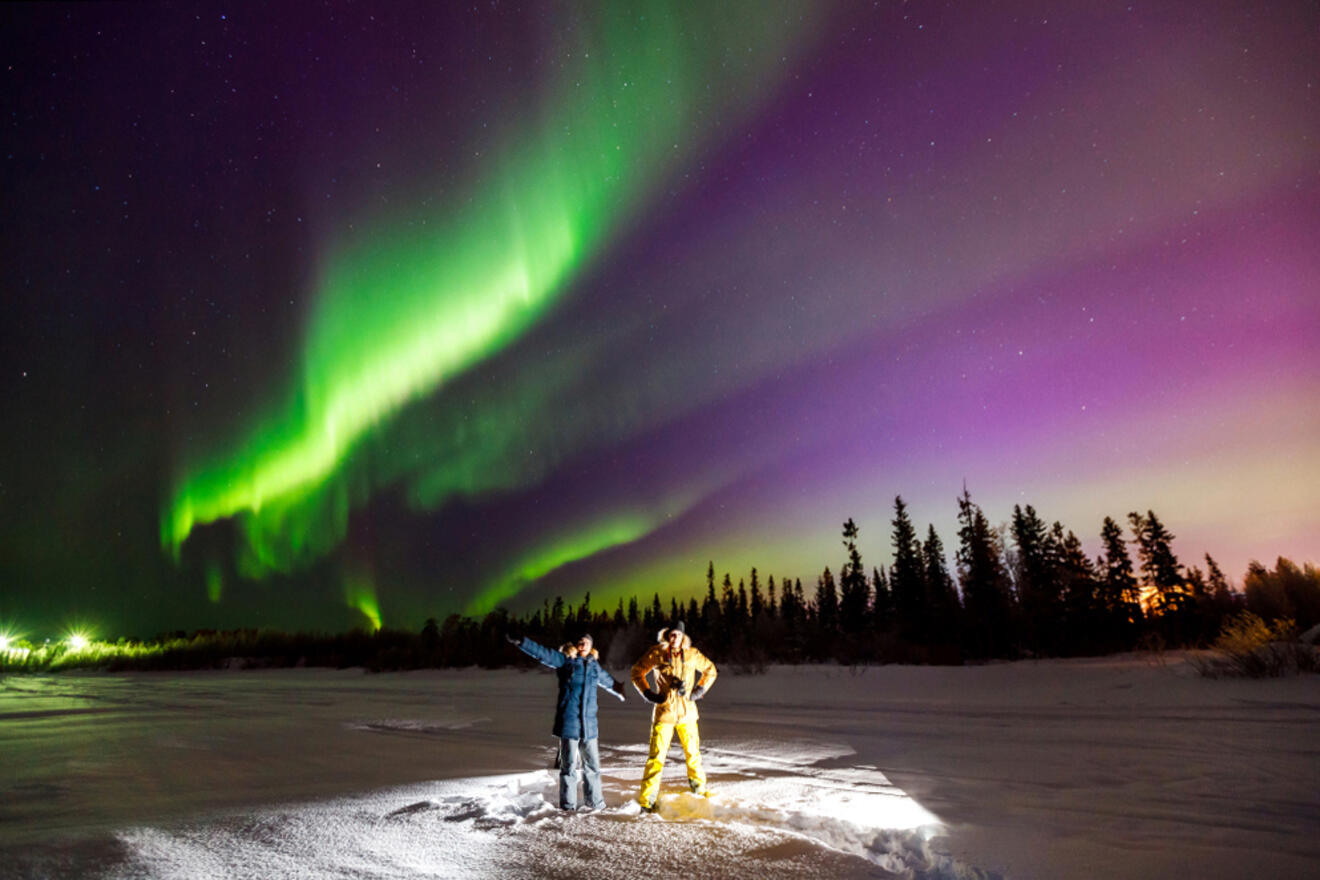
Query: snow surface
(1119, 767)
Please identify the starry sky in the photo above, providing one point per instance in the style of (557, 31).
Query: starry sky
(318, 315)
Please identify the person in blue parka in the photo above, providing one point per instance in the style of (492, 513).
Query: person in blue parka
(578, 668)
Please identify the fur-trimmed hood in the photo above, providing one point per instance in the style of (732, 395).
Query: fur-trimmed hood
(660, 637)
(570, 650)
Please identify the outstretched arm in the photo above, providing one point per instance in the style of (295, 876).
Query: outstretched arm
(607, 682)
(550, 657)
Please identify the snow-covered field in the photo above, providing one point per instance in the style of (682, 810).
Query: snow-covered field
(1119, 767)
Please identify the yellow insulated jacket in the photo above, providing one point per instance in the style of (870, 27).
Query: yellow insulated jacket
(687, 665)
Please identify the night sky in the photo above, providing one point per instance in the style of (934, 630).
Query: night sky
(315, 314)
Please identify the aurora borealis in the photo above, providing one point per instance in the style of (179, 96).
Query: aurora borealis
(344, 313)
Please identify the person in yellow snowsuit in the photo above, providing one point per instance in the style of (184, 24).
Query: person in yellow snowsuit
(682, 676)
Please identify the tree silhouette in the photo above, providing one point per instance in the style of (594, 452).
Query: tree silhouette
(882, 606)
(853, 589)
(985, 585)
(1160, 571)
(942, 606)
(1083, 618)
(1119, 593)
(827, 604)
(1035, 576)
(907, 580)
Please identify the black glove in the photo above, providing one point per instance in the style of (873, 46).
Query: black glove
(617, 690)
(653, 696)
(698, 692)
(512, 639)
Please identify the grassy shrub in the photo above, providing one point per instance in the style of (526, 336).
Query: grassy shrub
(1250, 647)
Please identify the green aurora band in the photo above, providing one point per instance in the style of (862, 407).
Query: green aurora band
(360, 594)
(619, 529)
(579, 540)
(412, 304)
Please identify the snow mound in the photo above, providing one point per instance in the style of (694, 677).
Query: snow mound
(783, 811)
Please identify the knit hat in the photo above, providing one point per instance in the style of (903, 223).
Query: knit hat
(676, 626)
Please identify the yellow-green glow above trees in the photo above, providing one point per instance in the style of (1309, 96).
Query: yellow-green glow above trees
(416, 299)
(577, 542)
(215, 583)
(360, 593)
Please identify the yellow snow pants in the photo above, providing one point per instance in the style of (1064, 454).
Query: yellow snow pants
(662, 734)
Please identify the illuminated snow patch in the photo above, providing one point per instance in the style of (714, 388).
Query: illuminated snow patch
(780, 809)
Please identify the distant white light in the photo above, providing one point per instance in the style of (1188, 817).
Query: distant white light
(4, 642)
(77, 641)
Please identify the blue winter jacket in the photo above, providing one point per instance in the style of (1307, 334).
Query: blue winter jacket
(575, 710)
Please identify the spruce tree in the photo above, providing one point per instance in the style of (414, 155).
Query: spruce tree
(1036, 579)
(1216, 582)
(710, 608)
(1222, 598)
(853, 590)
(827, 603)
(941, 594)
(757, 604)
(1159, 567)
(1196, 582)
(1081, 607)
(789, 609)
(907, 576)
(728, 601)
(985, 585)
(882, 608)
(1119, 593)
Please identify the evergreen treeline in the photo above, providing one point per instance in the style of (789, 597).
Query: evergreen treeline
(1023, 589)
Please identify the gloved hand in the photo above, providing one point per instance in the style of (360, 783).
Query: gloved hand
(698, 692)
(512, 639)
(653, 696)
(617, 690)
